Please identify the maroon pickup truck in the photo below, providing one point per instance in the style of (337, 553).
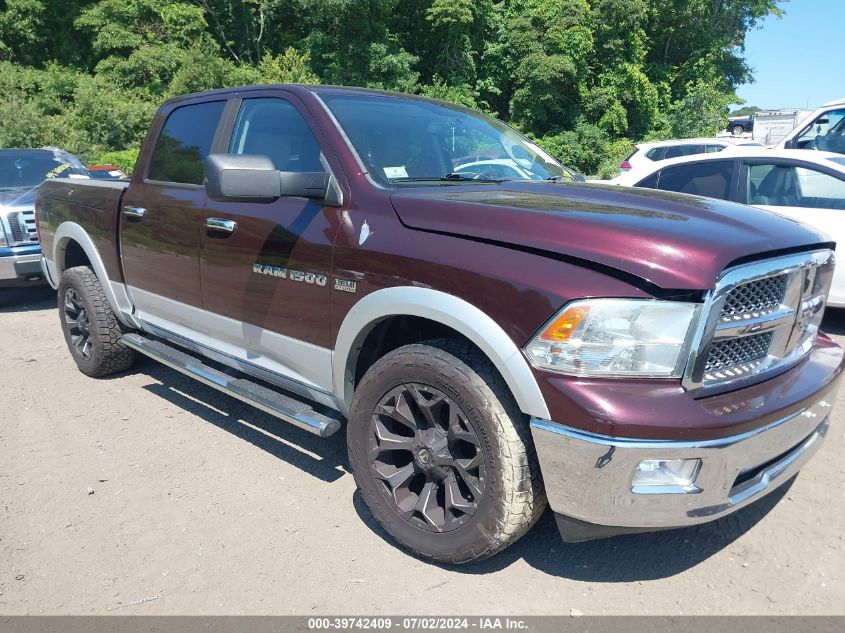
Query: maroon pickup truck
(494, 336)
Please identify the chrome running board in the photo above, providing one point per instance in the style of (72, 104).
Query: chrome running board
(282, 406)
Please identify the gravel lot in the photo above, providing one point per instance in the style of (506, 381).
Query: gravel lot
(150, 493)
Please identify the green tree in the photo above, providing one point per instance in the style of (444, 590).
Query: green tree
(744, 111)
(350, 43)
(586, 77)
(702, 112)
(547, 45)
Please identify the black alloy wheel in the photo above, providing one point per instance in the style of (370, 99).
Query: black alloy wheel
(91, 329)
(78, 325)
(427, 456)
(442, 454)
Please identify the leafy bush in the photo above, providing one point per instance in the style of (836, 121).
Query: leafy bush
(125, 159)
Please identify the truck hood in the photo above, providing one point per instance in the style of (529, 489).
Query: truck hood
(673, 241)
(22, 197)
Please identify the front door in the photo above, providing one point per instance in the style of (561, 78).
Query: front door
(266, 282)
(161, 218)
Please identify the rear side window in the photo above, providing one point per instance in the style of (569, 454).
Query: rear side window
(185, 142)
(677, 151)
(711, 179)
(656, 154)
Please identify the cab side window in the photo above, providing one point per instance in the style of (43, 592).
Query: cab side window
(711, 179)
(274, 128)
(185, 142)
(826, 133)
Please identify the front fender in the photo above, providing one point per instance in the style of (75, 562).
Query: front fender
(447, 310)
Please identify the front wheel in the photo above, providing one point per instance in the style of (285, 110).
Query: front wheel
(441, 453)
(737, 130)
(91, 330)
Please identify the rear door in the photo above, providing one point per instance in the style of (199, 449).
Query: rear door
(161, 219)
(266, 282)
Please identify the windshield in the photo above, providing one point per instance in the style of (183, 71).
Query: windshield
(28, 169)
(408, 140)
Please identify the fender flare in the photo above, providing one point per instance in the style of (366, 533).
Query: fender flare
(115, 292)
(443, 308)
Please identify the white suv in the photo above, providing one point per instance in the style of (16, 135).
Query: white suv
(648, 153)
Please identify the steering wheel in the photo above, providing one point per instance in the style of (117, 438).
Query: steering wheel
(485, 175)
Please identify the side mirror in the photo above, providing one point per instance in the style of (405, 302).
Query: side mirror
(241, 178)
(253, 178)
(317, 185)
(311, 184)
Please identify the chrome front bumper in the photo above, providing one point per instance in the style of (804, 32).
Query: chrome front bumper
(589, 477)
(8, 270)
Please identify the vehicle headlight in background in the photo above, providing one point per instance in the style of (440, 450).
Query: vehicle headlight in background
(616, 337)
(3, 240)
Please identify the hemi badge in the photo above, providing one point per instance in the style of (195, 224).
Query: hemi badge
(345, 285)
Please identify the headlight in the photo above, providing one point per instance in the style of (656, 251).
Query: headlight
(616, 337)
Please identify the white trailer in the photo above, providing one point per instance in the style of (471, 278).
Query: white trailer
(771, 126)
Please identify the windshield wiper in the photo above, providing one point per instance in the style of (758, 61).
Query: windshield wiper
(451, 177)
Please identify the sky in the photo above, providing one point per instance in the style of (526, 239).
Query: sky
(799, 59)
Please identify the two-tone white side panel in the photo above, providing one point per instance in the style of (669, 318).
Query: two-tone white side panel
(306, 364)
(115, 291)
(443, 308)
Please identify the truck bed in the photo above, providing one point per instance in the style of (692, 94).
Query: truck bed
(91, 204)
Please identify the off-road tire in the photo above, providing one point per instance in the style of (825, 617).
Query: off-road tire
(513, 495)
(107, 354)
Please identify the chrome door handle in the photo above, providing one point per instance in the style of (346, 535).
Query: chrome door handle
(134, 212)
(218, 224)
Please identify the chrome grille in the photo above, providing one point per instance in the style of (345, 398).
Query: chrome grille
(759, 317)
(755, 298)
(736, 356)
(21, 226)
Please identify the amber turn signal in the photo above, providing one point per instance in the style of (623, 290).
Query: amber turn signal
(564, 325)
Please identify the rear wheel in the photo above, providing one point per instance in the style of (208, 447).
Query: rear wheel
(91, 330)
(442, 455)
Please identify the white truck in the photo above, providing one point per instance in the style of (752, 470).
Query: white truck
(823, 130)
